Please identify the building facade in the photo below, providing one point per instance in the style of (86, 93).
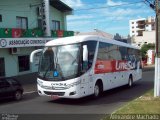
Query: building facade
(26, 25)
(142, 31)
(137, 26)
(147, 37)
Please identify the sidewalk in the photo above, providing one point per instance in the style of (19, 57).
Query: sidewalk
(148, 68)
(30, 88)
(28, 81)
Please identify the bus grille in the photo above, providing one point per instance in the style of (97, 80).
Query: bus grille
(54, 93)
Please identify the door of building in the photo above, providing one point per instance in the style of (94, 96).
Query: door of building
(2, 68)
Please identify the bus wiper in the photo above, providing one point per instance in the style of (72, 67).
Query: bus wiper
(50, 66)
(60, 70)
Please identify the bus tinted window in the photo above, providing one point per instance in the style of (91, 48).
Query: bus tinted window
(123, 51)
(108, 52)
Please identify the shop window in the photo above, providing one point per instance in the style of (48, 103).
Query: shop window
(22, 22)
(40, 23)
(55, 25)
(0, 18)
(2, 68)
(23, 62)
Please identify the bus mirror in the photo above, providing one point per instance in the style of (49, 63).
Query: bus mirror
(33, 54)
(85, 53)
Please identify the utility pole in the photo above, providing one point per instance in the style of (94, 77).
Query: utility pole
(157, 58)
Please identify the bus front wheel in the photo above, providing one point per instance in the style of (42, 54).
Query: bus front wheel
(130, 82)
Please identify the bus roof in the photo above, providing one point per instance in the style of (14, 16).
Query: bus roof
(82, 38)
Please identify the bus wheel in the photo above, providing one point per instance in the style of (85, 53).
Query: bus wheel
(96, 90)
(130, 82)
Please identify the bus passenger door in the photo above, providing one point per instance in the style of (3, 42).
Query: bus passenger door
(86, 76)
(87, 83)
(89, 50)
(84, 84)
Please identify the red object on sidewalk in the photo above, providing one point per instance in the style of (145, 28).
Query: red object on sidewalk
(144, 62)
(16, 32)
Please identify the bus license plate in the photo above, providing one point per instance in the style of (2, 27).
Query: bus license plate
(54, 97)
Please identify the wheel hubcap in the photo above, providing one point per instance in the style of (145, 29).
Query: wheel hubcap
(96, 90)
(18, 95)
(130, 82)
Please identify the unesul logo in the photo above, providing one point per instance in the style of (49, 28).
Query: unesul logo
(3, 43)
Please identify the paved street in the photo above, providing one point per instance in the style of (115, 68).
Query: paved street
(109, 102)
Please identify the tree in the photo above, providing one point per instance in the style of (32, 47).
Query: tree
(145, 48)
(117, 36)
(129, 39)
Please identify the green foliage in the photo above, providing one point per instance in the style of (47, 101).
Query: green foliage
(146, 104)
(117, 36)
(145, 48)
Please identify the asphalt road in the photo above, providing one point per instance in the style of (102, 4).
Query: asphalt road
(77, 109)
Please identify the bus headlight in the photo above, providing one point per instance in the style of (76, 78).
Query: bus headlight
(40, 83)
(73, 84)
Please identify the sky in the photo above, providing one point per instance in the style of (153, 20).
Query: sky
(100, 14)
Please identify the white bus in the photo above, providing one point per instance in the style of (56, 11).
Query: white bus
(78, 66)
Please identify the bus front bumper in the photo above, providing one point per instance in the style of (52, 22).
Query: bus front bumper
(67, 93)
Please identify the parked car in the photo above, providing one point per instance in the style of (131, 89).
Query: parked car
(10, 88)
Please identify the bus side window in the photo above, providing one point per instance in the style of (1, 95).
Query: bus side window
(91, 45)
(123, 52)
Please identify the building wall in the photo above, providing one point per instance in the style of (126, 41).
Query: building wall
(11, 8)
(148, 37)
(149, 28)
(136, 25)
(142, 31)
(150, 57)
(11, 60)
(59, 16)
(133, 26)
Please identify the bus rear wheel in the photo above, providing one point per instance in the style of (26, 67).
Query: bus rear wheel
(98, 89)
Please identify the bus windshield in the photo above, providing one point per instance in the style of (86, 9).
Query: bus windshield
(59, 63)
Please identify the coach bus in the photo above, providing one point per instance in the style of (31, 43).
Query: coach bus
(78, 66)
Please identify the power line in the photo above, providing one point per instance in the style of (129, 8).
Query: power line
(151, 5)
(109, 6)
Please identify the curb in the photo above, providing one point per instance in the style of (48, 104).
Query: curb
(30, 92)
(148, 69)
